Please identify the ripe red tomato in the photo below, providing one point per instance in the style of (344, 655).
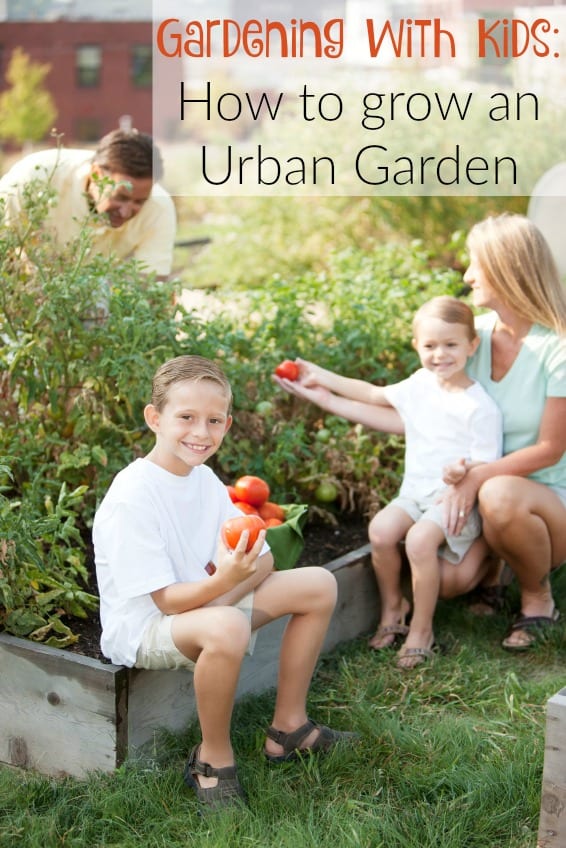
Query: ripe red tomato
(232, 529)
(252, 490)
(273, 522)
(246, 507)
(271, 510)
(287, 370)
(232, 493)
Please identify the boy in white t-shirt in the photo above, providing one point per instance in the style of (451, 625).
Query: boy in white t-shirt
(173, 595)
(450, 423)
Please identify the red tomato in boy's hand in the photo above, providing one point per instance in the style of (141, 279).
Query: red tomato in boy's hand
(232, 529)
(251, 490)
(287, 370)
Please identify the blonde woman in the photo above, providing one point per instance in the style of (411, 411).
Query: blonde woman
(521, 362)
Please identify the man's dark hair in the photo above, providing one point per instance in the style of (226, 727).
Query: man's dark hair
(129, 152)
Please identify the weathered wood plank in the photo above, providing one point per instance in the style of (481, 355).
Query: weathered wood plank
(61, 713)
(357, 609)
(60, 716)
(552, 823)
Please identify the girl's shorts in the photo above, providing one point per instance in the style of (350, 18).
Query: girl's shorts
(455, 547)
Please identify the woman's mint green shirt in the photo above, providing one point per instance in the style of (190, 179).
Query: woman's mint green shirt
(539, 372)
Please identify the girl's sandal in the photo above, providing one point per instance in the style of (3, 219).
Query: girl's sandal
(410, 658)
(227, 792)
(393, 633)
(292, 742)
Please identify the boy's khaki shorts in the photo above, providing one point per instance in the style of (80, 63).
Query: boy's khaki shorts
(157, 650)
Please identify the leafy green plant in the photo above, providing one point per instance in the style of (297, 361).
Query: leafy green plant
(82, 336)
(42, 575)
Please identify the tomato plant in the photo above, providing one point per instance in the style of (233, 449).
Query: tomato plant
(233, 528)
(287, 370)
(251, 490)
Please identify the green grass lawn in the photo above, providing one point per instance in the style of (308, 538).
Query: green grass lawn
(450, 756)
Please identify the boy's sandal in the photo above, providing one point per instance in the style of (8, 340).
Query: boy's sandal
(530, 626)
(227, 792)
(292, 742)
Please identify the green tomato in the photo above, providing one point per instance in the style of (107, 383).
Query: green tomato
(326, 492)
(264, 407)
(323, 435)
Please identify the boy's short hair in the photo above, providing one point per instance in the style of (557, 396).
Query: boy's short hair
(188, 367)
(448, 309)
(129, 152)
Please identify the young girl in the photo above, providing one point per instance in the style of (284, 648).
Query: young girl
(450, 425)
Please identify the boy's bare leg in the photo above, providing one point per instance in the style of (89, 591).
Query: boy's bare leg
(216, 638)
(309, 595)
(386, 530)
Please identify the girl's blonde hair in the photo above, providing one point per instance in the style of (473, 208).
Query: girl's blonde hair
(194, 368)
(448, 309)
(519, 267)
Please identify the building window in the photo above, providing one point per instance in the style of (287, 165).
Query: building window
(141, 66)
(87, 129)
(88, 65)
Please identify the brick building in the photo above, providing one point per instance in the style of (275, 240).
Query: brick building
(101, 71)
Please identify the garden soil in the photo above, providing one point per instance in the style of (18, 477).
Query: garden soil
(323, 543)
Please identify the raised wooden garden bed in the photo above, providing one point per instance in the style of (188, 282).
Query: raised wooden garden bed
(552, 823)
(62, 713)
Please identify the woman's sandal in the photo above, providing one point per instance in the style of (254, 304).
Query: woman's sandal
(292, 742)
(227, 792)
(531, 626)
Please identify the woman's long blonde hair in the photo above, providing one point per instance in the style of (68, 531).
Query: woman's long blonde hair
(519, 267)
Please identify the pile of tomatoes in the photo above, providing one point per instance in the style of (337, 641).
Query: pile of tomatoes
(251, 495)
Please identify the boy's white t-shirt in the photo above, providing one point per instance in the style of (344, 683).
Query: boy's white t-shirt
(442, 427)
(152, 529)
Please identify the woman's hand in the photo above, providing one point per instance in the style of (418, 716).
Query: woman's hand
(458, 501)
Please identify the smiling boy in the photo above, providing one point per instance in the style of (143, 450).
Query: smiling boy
(155, 533)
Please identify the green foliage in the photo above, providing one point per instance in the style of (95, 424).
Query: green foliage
(254, 239)
(27, 110)
(82, 336)
(41, 568)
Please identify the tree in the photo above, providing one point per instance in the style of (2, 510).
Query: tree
(27, 110)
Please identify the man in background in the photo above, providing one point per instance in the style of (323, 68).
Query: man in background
(117, 187)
